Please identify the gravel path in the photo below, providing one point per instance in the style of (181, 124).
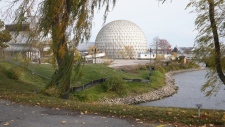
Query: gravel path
(15, 115)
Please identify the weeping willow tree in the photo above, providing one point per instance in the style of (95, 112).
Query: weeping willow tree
(5, 36)
(209, 45)
(62, 20)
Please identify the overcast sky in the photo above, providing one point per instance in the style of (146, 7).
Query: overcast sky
(168, 21)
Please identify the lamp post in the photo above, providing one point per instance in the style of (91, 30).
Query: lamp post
(95, 51)
(150, 51)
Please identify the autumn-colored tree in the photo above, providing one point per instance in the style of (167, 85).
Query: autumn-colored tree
(210, 25)
(155, 44)
(161, 44)
(93, 50)
(164, 45)
(174, 54)
(5, 36)
(57, 17)
(127, 52)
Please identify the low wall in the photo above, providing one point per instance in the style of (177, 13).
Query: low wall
(95, 82)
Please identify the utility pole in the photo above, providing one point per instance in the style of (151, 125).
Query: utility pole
(95, 51)
(150, 51)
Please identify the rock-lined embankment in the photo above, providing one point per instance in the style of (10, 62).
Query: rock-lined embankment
(168, 90)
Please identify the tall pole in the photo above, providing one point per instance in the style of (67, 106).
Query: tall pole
(150, 51)
(95, 55)
(113, 50)
(95, 50)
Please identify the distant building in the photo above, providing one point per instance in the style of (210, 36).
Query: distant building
(146, 55)
(116, 35)
(83, 47)
(185, 51)
(175, 50)
(20, 42)
(25, 42)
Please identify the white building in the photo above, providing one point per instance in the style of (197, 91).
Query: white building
(24, 40)
(116, 35)
(146, 56)
(20, 42)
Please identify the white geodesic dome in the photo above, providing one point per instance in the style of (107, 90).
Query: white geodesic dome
(116, 35)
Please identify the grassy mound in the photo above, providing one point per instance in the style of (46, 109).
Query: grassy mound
(23, 89)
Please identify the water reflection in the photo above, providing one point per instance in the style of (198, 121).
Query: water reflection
(189, 93)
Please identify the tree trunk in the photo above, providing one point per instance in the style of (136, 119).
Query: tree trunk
(61, 53)
(63, 64)
(216, 41)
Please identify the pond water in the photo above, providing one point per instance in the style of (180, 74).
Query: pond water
(189, 93)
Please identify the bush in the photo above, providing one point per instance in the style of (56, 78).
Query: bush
(160, 57)
(85, 96)
(115, 84)
(142, 67)
(131, 69)
(13, 73)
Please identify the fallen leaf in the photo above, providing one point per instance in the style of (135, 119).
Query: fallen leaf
(137, 119)
(6, 124)
(168, 113)
(194, 116)
(63, 122)
(223, 118)
(183, 111)
(160, 121)
(211, 125)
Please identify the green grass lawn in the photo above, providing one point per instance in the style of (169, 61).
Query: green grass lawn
(22, 90)
(90, 72)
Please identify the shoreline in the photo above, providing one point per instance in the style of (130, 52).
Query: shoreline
(166, 91)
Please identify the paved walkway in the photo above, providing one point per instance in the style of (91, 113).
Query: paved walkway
(15, 115)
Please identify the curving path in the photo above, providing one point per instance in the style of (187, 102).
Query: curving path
(15, 115)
